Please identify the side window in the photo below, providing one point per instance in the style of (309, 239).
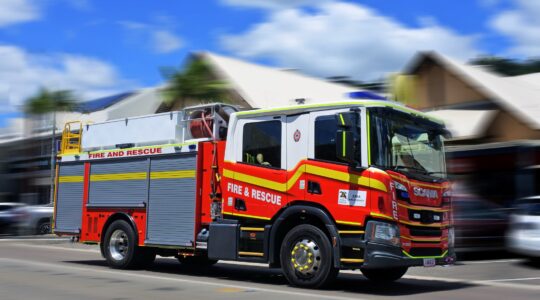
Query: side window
(262, 143)
(325, 138)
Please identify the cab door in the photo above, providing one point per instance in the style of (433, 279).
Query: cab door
(260, 178)
(336, 185)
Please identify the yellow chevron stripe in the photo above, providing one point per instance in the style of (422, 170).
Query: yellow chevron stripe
(348, 223)
(309, 169)
(66, 179)
(118, 176)
(173, 174)
(381, 216)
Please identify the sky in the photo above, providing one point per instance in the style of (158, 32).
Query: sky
(99, 47)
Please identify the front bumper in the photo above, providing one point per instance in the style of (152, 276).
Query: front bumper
(381, 256)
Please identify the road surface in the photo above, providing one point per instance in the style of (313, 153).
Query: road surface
(56, 269)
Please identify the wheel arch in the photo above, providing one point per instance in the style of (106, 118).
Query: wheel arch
(300, 212)
(114, 217)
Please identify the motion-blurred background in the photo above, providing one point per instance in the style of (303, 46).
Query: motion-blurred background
(473, 64)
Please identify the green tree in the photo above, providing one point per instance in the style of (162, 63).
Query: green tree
(508, 67)
(193, 84)
(45, 102)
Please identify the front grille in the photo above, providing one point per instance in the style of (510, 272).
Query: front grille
(424, 231)
(425, 251)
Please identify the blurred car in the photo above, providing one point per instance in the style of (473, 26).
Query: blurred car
(35, 219)
(524, 232)
(479, 225)
(8, 216)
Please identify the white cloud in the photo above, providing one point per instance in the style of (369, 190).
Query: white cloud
(271, 4)
(165, 41)
(18, 11)
(344, 39)
(162, 40)
(522, 25)
(23, 73)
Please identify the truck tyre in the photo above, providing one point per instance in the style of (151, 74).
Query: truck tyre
(306, 257)
(384, 275)
(121, 250)
(202, 261)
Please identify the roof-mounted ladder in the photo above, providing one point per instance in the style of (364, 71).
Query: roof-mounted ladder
(71, 138)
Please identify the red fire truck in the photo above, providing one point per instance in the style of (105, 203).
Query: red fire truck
(310, 189)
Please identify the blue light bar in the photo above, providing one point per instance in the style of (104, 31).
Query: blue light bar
(365, 95)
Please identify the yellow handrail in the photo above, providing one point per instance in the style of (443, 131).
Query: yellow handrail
(71, 138)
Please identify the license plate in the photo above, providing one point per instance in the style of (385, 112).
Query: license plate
(429, 262)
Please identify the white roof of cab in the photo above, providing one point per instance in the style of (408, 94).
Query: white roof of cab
(289, 110)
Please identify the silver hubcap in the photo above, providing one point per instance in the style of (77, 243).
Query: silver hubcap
(306, 257)
(118, 245)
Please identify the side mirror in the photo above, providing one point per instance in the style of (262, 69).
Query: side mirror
(345, 149)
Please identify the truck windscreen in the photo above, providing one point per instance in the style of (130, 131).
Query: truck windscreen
(402, 143)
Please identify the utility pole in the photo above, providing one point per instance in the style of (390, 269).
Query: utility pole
(53, 156)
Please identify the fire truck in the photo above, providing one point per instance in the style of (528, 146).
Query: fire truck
(310, 189)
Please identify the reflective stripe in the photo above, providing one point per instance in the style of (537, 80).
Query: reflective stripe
(351, 260)
(172, 174)
(118, 176)
(341, 118)
(344, 143)
(351, 231)
(348, 223)
(381, 216)
(66, 179)
(435, 240)
(310, 169)
(410, 256)
(245, 253)
(251, 229)
(143, 175)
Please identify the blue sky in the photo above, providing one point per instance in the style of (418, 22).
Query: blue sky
(98, 47)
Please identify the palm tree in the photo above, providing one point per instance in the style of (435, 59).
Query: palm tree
(194, 83)
(45, 102)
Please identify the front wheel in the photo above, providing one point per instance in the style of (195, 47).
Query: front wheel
(121, 250)
(306, 257)
(384, 275)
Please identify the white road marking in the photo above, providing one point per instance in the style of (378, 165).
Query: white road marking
(492, 261)
(493, 282)
(33, 239)
(56, 248)
(512, 279)
(124, 273)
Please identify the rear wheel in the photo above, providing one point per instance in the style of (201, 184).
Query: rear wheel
(306, 257)
(121, 250)
(384, 275)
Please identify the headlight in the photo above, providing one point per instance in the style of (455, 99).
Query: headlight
(401, 191)
(451, 237)
(383, 233)
(400, 186)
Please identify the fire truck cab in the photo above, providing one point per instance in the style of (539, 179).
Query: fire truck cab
(311, 189)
